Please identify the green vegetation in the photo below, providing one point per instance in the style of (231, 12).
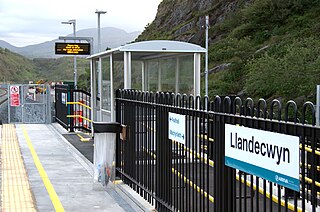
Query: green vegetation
(15, 68)
(61, 68)
(273, 47)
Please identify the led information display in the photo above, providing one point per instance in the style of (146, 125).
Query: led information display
(72, 48)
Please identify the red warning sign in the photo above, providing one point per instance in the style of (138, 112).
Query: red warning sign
(14, 96)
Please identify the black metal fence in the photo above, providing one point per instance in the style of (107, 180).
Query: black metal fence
(73, 108)
(193, 176)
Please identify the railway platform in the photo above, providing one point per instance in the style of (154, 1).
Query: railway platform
(42, 171)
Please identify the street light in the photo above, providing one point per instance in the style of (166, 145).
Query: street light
(73, 22)
(99, 38)
(99, 63)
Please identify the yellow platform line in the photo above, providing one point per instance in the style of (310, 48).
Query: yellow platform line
(46, 181)
(16, 192)
(82, 138)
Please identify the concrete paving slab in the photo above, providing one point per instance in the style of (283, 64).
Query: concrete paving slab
(69, 177)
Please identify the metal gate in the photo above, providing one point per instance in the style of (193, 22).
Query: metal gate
(73, 108)
(29, 104)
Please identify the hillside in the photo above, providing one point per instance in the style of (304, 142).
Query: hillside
(60, 69)
(262, 48)
(16, 68)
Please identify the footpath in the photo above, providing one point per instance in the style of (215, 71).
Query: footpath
(42, 171)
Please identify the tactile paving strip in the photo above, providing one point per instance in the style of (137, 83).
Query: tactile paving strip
(16, 192)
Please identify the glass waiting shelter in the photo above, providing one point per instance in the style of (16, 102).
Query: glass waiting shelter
(158, 65)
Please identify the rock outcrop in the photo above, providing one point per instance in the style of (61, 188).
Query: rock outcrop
(184, 19)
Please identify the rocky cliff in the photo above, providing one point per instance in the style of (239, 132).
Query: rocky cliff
(184, 20)
(257, 48)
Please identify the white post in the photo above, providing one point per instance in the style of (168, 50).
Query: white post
(207, 49)
(100, 89)
(93, 92)
(112, 90)
(74, 58)
(127, 70)
(99, 35)
(196, 70)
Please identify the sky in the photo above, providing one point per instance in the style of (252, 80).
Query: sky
(27, 22)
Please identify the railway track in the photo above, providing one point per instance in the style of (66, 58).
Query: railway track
(3, 95)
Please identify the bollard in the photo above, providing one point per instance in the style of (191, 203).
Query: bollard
(104, 152)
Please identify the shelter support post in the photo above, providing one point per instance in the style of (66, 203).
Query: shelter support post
(112, 90)
(100, 89)
(196, 69)
(127, 70)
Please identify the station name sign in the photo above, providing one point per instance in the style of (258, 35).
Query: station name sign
(272, 156)
(72, 48)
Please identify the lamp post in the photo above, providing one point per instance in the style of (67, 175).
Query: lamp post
(73, 22)
(99, 12)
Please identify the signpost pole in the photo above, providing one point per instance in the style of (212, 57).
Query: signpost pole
(75, 58)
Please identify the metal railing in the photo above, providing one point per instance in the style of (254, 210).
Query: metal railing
(193, 176)
(73, 108)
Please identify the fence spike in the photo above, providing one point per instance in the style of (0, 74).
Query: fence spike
(313, 112)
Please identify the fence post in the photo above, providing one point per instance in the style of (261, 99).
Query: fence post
(118, 144)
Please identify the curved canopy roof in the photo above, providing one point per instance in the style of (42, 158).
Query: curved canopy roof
(155, 46)
(162, 46)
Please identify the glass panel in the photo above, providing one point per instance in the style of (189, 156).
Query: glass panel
(118, 75)
(161, 74)
(152, 70)
(168, 74)
(136, 75)
(186, 75)
(106, 104)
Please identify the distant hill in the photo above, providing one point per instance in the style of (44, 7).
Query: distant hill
(110, 37)
(6, 45)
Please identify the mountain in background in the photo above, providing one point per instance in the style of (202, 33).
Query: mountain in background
(110, 38)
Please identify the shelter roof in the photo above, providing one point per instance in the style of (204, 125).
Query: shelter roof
(154, 46)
